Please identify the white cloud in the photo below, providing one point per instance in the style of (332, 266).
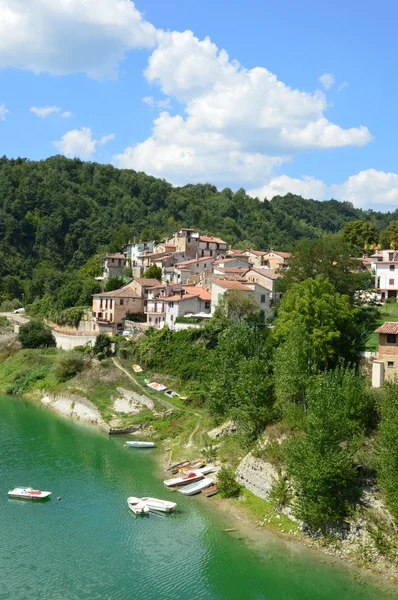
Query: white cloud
(66, 114)
(44, 111)
(77, 142)
(327, 80)
(238, 124)
(69, 36)
(3, 112)
(342, 86)
(367, 189)
(150, 101)
(107, 138)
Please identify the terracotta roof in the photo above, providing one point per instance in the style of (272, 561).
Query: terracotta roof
(207, 238)
(232, 285)
(124, 292)
(387, 327)
(236, 251)
(256, 252)
(385, 262)
(376, 255)
(147, 282)
(167, 245)
(194, 260)
(270, 273)
(235, 269)
(203, 294)
(179, 298)
(222, 260)
(150, 254)
(283, 254)
(118, 255)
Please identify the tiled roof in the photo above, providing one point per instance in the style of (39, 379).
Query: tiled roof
(235, 269)
(207, 238)
(194, 260)
(387, 327)
(222, 260)
(147, 282)
(232, 285)
(270, 273)
(256, 252)
(118, 255)
(124, 292)
(203, 294)
(179, 298)
(282, 254)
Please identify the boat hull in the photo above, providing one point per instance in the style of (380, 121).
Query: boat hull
(210, 491)
(136, 444)
(137, 506)
(28, 493)
(157, 505)
(195, 488)
(185, 480)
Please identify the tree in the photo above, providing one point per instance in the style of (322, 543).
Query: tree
(238, 306)
(361, 234)
(154, 272)
(391, 234)
(333, 327)
(113, 283)
(227, 484)
(387, 444)
(68, 364)
(102, 344)
(36, 334)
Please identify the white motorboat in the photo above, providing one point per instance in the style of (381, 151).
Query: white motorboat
(207, 469)
(184, 479)
(195, 488)
(137, 506)
(159, 505)
(138, 444)
(28, 493)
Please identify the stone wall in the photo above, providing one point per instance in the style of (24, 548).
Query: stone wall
(256, 475)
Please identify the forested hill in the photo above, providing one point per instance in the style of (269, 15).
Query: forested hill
(64, 211)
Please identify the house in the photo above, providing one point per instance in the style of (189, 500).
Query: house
(265, 277)
(142, 285)
(197, 266)
(255, 257)
(132, 250)
(189, 300)
(166, 247)
(255, 290)
(155, 307)
(212, 246)
(186, 240)
(385, 271)
(274, 259)
(386, 367)
(110, 308)
(114, 265)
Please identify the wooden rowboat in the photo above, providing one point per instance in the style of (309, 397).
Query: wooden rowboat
(210, 491)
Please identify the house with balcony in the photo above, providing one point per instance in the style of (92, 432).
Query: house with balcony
(385, 271)
(211, 246)
(114, 265)
(275, 259)
(155, 306)
(110, 308)
(386, 365)
(187, 301)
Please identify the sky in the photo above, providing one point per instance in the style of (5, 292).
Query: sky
(275, 97)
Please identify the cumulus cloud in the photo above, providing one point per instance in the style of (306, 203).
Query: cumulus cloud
(80, 143)
(69, 36)
(44, 111)
(3, 112)
(150, 101)
(342, 86)
(66, 114)
(327, 80)
(238, 124)
(308, 187)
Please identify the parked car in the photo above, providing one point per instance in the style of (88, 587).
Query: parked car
(127, 332)
(171, 394)
(19, 311)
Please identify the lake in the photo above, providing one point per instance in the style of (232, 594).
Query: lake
(90, 546)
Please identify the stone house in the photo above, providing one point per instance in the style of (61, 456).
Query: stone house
(266, 278)
(258, 292)
(386, 366)
(255, 257)
(114, 265)
(274, 259)
(110, 308)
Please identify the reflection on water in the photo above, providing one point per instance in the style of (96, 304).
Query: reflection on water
(90, 545)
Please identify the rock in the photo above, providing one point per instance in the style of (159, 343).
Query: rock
(256, 475)
(225, 429)
(130, 402)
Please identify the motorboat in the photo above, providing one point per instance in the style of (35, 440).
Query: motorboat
(184, 479)
(195, 488)
(206, 470)
(137, 506)
(159, 505)
(210, 491)
(28, 493)
(138, 444)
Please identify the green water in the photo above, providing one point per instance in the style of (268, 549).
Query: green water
(90, 546)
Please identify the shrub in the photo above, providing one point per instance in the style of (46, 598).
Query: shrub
(68, 365)
(280, 492)
(9, 305)
(36, 334)
(102, 344)
(227, 484)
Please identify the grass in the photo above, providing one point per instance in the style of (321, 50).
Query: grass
(264, 511)
(387, 312)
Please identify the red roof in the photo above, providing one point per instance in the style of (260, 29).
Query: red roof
(124, 292)
(215, 240)
(232, 285)
(194, 260)
(117, 255)
(387, 327)
(179, 298)
(282, 254)
(256, 252)
(235, 269)
(203, 294)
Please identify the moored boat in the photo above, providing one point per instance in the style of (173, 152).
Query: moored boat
(178, 466)
(184, 479)
(159, 505)
(195, 488)
(28, 493)
(138, 444)
(137, 506)
(195, 464)
(210, 491)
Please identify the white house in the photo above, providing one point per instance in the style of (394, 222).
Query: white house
(187, 301)
(265, 277)
(261, 295)
(385, 270)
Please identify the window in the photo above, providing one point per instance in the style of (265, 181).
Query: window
(390, 364)
(119, 261)
(106, 303)
(219, 297)
(391, 256)
(207, 304)
(391, 338)
(262, 298)
(392, 267)
(101, 303)
(390, 282)
(110, 317)
(121, 302)
(110, 303)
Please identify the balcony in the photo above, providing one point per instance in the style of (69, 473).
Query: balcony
(154, 308)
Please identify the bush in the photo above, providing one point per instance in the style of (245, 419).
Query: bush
(36, 334)
(68, 365)
(280, 492)
(227, 484)
(102, 344)
(9, 305)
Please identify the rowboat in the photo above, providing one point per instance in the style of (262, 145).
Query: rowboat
(28, 493)
(184, 480)
(159, 505)
(158, 387)
(195, 488)
(137, 506)
(206, 470)
(181, 465)
(210, 491)
(195, 464)
(137, 444)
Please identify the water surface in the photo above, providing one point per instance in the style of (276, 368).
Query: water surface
(90, 546)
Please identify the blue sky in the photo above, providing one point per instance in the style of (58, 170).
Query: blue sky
(273, 97)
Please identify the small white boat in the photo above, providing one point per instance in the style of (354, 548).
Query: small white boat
(137, 506)
(184, 479)
(159, 505)
(207, 469)
(28, 493)
(195, 488)
(138, 444)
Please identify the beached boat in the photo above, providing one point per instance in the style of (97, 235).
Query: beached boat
(159, 505)
(195, 488)
(28, 493)
(210, 491)
(184, 479)
(206, 470)
(158, 387)
(137, 369)
(178, 466)
(196, 464)
(138, 444)
(137, 506)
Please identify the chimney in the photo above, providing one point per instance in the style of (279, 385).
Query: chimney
(181, 293)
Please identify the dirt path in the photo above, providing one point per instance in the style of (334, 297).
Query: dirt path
(190, 442)
(165, 403)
